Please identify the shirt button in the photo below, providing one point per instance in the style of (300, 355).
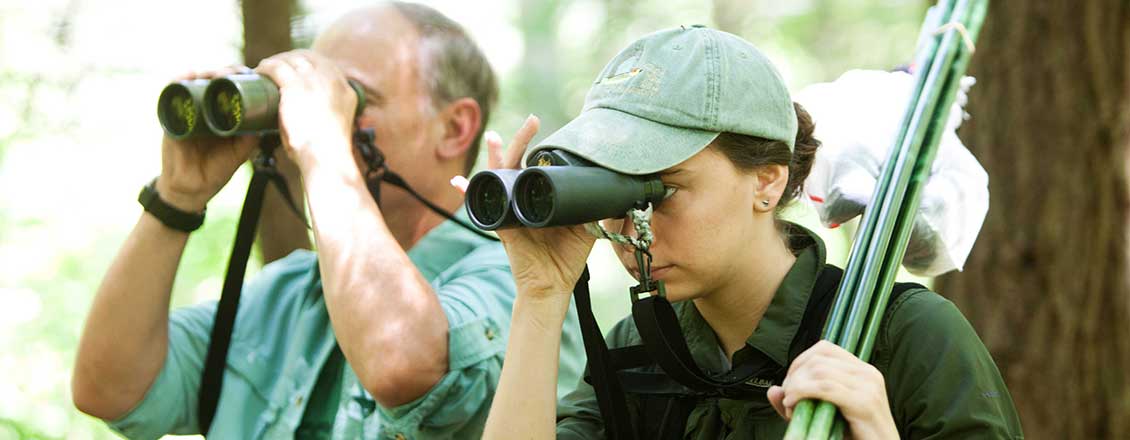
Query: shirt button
(489, 335)
(298, 401)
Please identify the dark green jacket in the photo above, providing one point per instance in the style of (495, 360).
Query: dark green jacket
(941, 381)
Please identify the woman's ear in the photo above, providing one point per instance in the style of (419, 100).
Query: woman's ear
(461, 120)
(770, 184)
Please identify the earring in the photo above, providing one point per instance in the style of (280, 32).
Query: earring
(765, 203)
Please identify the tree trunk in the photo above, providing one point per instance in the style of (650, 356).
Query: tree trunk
(1046, 286)
(266, 31)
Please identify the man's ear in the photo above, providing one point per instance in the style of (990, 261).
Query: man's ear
(461, 119)
(769, 186)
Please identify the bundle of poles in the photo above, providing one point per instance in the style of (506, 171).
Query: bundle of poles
(949, 32)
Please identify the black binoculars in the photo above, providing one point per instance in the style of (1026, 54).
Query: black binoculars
(556, 189)
(226, 106)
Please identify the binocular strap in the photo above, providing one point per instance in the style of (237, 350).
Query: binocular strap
(609, 393)
(212, 379)
(265, 173)
(395, 180)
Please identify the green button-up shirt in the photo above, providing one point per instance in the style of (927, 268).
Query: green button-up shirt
(941, 381)
(283, 337)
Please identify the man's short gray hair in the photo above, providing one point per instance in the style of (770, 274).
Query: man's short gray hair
(452, 65)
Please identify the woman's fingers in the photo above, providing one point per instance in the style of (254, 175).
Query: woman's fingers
(828, 372)
(460, 183)
(494, 150)
(498, 159)
(814, 355)
(776, 396)
(521, 140)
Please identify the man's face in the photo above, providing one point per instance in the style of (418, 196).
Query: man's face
(380, 49)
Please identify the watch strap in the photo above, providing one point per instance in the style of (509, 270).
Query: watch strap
(169, 215)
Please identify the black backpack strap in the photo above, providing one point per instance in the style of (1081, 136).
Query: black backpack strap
(820, 303)
(606, 384)
(663, 338)
(816, 312)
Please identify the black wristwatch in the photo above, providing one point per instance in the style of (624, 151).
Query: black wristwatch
(166, 213)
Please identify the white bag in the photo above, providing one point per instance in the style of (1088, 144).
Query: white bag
(857, 118)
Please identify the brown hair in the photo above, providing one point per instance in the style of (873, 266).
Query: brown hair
(750, 152)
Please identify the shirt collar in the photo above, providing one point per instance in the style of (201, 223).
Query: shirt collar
(781, 321)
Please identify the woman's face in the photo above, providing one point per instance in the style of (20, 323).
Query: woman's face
(705, 231)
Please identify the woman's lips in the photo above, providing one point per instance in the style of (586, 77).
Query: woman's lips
(657, 272)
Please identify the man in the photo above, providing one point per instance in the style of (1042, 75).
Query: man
(364, 339)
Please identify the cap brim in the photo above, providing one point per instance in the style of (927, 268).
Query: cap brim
(626, 143)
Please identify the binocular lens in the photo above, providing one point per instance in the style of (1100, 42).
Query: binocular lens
(488, 201)
(535, 197)
(177, 108)
(225, 106)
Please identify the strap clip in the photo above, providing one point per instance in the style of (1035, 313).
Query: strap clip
(646, 285)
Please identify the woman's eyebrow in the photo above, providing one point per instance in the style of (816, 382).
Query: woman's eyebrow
(672, 172)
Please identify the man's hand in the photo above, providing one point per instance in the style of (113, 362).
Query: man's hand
(193, 170)
(828, 372)
(316, 106)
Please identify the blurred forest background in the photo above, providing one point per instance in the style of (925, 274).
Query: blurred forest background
(1045, 287)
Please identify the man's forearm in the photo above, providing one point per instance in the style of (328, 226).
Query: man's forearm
(126, 336)
(386, 317)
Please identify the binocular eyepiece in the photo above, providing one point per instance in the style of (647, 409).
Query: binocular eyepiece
(225, 106)
(556, 189)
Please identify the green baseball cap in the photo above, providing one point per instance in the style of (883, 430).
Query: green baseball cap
(666, 96)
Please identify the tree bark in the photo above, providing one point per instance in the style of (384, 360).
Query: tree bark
(266, 31)
(1046, 287)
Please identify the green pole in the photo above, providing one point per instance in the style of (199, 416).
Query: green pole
(825, 412)
(938, 91)
(803, 411)
(908, 213)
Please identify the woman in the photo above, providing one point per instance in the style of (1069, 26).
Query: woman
(708, 112)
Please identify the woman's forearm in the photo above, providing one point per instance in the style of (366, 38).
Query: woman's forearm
(525, 404)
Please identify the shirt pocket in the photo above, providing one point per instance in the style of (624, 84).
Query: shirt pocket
(279, 387)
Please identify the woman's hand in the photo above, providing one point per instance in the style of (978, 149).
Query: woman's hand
(828, 372)
(545, 261)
